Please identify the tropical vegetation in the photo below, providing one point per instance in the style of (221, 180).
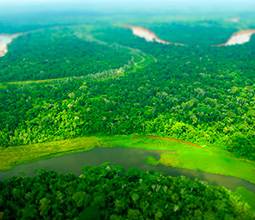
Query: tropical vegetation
(107, 192)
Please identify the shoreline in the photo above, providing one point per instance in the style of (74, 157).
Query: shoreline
(179, 155)
(148, 35)
(6, 39)
(240, 37)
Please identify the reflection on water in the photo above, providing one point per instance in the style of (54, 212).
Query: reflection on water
(126, 157)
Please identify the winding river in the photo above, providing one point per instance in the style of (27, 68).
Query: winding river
(239, 37)
(126, 157)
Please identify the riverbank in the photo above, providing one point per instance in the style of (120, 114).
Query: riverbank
(239, 37)
(13, 156)
(96, 186)
(5, 39)
(136, 158)
(148, 35)
(210, 159)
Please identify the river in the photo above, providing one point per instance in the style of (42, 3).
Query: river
(126, 157)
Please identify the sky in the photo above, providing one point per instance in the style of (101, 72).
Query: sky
(116, 1)
(107, 2)
(125, 4)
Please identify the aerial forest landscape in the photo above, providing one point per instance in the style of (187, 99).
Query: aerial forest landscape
(127, 109)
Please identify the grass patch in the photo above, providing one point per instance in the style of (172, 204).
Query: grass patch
(152, 161)
(14, 156)
(210, 162)
(209, 159)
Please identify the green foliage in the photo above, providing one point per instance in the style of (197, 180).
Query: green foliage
(79, 198)
(193, 33)
(200, 94)
(242, 146)
(52, 54)
(246, 195)
(151, 160)
(103, 193)
(90, 213)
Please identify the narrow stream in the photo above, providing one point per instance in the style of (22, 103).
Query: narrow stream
(126, 157)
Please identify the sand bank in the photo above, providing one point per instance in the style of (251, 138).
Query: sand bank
(5, 39)
(239, 37)
(148, 35)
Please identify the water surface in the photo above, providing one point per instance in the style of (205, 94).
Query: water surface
(127, 158)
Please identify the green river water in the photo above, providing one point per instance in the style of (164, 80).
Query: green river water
(126, 157)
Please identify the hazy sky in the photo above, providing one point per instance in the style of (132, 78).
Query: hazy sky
(121, 2)
(106, 1)
(35, 5)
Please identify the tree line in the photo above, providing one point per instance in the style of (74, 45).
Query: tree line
(108, 192)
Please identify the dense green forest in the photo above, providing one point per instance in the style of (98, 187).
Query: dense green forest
(107, 192)
(55, 54)
(83, 74)
(202, 94)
